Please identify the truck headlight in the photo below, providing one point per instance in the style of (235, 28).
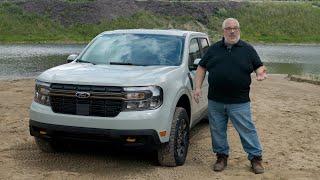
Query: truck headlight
(41, 94)
(143, 98)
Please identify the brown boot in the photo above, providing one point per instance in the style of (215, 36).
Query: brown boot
(256, 165)
(221, 162)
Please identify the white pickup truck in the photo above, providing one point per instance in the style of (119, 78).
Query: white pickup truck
(127, 86)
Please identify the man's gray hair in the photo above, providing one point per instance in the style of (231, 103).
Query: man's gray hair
(229, 19)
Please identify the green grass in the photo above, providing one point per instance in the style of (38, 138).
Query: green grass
(18, 26)
(260, 22)
(279, 22)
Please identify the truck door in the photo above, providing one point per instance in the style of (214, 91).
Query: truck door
(204, 46)
(194, 53)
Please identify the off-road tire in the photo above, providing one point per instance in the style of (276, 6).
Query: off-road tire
(174, 152)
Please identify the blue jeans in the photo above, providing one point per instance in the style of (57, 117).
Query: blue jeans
(240, 116)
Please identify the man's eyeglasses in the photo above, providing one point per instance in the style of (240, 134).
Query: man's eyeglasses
(232, 29)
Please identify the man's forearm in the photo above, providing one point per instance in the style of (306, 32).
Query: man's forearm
(200, 74)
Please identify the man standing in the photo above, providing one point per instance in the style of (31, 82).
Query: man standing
(230, 63)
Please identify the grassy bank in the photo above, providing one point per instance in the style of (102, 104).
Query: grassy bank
(282, 22)
(19, 26)
(260, 22)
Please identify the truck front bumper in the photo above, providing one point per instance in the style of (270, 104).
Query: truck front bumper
(122, 137)
(137, 123)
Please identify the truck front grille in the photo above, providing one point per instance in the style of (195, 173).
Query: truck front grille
(103, 101)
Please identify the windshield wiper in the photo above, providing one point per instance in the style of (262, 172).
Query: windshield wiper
(83, 61)
(122, 63)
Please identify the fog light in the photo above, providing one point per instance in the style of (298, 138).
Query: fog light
(163, 133)
(131, 140)
(43, 132)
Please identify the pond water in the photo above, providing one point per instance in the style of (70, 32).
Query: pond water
(290, 59)
(23, 60)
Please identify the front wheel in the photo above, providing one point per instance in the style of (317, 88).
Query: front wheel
(174, 152)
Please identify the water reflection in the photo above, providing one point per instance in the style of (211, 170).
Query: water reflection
(32, 50)
(18, 61)
(24, 60)
(292, 68)
(291, 54)
(290, 59)
(29, 66)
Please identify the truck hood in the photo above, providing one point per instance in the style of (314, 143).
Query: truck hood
(110, 75)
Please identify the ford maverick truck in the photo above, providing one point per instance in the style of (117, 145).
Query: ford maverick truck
(131, 87)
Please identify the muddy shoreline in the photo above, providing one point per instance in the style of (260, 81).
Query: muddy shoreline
(286, 113)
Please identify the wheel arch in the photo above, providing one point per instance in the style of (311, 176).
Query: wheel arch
(184, 102)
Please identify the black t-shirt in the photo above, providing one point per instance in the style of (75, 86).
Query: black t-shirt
(229, 71)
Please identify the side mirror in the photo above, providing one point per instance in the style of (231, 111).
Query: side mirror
(194, 65)
(71, 57)
(196, 61)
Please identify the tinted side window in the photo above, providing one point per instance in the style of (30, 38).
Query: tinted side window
(204, 44)
(194, 51)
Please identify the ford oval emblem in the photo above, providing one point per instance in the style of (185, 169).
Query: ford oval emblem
(82, 95)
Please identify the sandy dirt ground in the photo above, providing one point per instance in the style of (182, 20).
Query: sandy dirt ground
(286, 113)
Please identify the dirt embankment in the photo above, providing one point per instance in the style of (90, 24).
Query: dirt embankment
(94, 12)
(286, 113)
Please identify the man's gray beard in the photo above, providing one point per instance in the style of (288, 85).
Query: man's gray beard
(227, 43)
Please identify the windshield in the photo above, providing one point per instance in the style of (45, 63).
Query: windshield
(135, 49)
